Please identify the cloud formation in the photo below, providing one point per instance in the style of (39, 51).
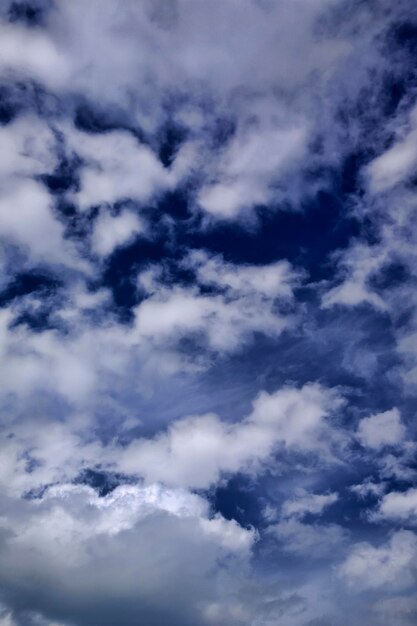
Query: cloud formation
(208, 317)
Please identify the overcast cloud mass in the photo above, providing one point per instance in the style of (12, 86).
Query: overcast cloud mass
(208, 312)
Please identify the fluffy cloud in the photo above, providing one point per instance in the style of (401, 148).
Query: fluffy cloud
(304, 503)
(113, 231)
(382, 429)
(316, 540)
(28, 148)
(249, 167)
(399, 506)
(195, 451)
(161, 543)
(390, 565)
(27, 220)
(115, 167)
(249, 300)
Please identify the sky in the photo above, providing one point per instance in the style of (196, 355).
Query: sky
(208, 313)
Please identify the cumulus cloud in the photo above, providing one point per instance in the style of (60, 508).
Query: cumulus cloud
(248, 300)
(113, 231)
(390, 565)
(316, 540)
(382, 429)
(162, 543)
(194, 452)
(400, 506)
(245, 181)
(26, 219)
(115, 167)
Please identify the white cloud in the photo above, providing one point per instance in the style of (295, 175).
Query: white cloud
(141, 547)
(112, 231)
(397, 163)
(400, 610)
(276, 280)
(382, 429)
(72, 365)
(368, 488)
(95, 354)
(115, 167)
(399, 506)
(304, 502)
(358, 264)
(249, 166)
(32, 53)
(27, 220)
(274, 68)
(27, 148)
(314, 540)
(390, 565)
(248, 302)
(223, 325)
(196, 451)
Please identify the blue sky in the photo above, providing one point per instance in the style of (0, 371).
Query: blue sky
(208, 314)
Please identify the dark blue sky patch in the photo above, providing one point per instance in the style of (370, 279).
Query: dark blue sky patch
(122, 268)
(396, 90)
(238, 500)
(13, 99)
(92, 120)
(29, 13)
(103, 482)
(393, 274)
(95, 119)
(171, 137)
(223, 129)
(304, 238)
(403, 35)
(65, 177)
(37, 321)
(27, 283)
(176, 204)
(77, 225)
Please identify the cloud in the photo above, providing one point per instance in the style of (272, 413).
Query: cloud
(28, 148)
(136, 553)
(390, 565)
(276, 280)
(382, 429)
(32, 54)
(112, 231)
(307, 503)
(115, 166)
(396, 164)
(248, 168)
(359, 262)
(250, 299)
(315, 540)
(399, 506)
(86, 350)
(368, 488)
(196, 451)
(261, 159)
(27, 220)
